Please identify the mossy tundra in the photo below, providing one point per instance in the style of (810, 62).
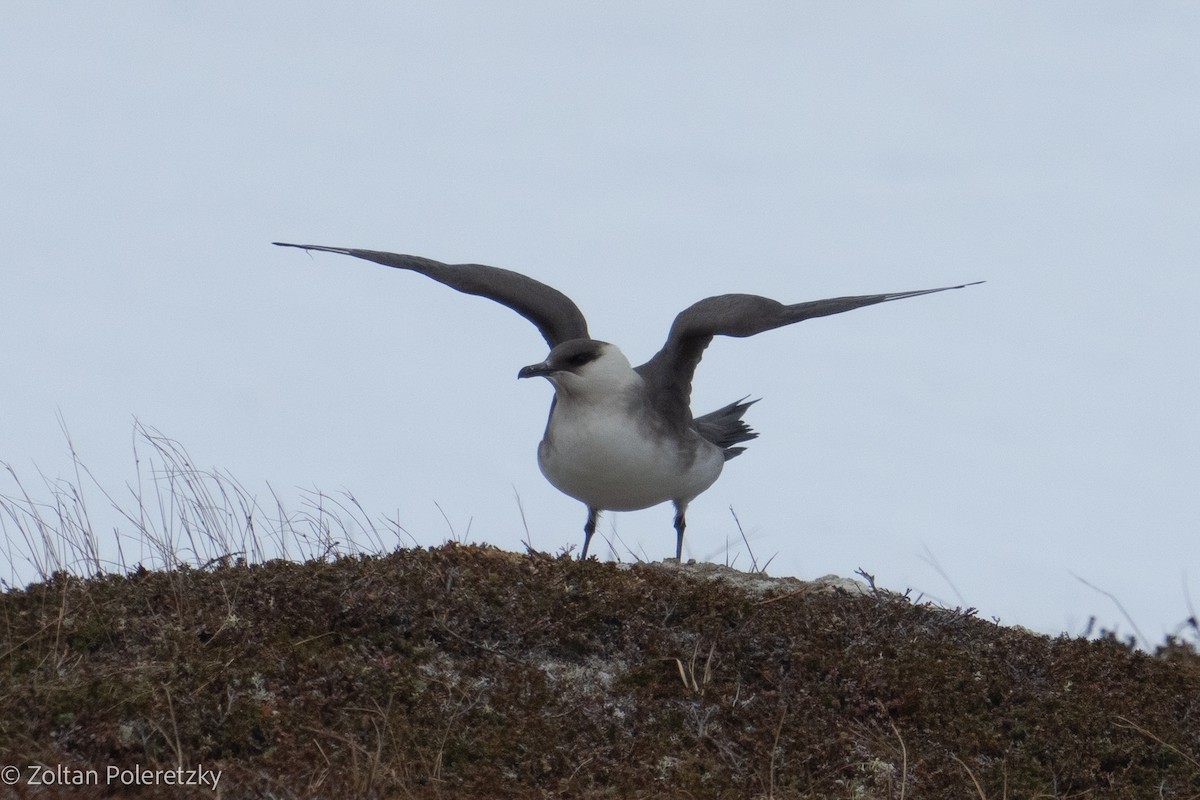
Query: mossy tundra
(466, 671)
(354, 669)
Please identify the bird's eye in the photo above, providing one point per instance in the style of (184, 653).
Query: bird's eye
(579, 359)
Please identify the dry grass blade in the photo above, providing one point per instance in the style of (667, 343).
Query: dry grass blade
(971, 775)
(1131, 725)
(176, 515)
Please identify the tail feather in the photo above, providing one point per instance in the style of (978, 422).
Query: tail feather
(725, 428)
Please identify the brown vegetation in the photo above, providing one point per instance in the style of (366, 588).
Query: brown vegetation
(469, 672)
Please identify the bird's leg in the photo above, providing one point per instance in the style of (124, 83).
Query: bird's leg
(680, 524)
(588, 529)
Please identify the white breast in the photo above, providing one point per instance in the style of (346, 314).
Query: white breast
(602, 454)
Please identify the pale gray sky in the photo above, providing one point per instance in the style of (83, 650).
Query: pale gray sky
(638, 157)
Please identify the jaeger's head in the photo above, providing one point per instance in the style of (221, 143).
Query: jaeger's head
(583, 367)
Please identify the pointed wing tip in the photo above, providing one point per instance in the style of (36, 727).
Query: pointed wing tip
(320, 247)
(956, 286)
(920, 292)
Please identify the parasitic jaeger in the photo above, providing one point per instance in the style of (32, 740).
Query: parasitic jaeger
(619, 437)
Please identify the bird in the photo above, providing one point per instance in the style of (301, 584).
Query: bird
(620, 437)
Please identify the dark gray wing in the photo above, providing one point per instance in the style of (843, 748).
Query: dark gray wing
(554, 314)
(668, 374)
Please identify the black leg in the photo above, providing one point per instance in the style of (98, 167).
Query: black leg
(680, 524)
(588, 529)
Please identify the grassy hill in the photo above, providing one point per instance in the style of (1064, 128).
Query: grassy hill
(469, 672)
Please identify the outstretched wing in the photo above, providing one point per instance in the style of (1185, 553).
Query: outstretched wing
(555, 315)
(669, 373)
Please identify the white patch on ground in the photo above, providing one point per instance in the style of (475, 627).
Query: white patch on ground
(760, 584)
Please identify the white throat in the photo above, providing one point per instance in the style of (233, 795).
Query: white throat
(604, 380)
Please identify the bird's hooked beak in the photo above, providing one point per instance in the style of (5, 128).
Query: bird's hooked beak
(536, 370)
